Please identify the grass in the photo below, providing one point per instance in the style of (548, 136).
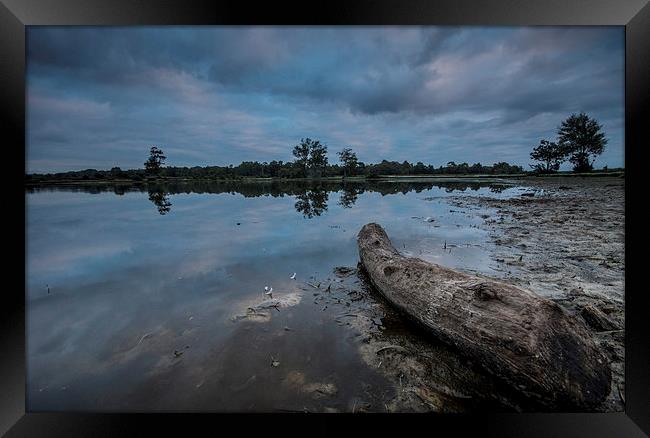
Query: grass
(599, 173)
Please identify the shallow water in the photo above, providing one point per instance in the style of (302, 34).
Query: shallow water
(131, 290)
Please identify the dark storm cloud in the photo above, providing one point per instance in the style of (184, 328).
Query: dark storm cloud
(97, 96)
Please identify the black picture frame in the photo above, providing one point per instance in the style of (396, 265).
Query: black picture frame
(15, 15)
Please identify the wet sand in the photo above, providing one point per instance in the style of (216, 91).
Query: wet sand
(401, 368)
(566, 242)
(561, 238)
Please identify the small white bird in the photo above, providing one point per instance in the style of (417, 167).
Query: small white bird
(269, 291)
(266, 288)
(293, 277)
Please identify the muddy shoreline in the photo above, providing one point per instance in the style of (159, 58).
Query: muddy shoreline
(563, 239)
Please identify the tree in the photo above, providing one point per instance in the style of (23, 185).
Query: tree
(419, 168)
(550, 154)
(116, 172)
(156, 159)
(311, 155)
(301, 152)
(504, 168)
(476, 168)
(582, 138)
(317, 157)
(348, 160)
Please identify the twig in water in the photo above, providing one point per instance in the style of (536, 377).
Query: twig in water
(146, 335)
(424, 399)
(620, 394)
(607, 332)
(396, 347)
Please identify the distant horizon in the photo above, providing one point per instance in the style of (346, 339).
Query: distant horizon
(565, 167)
(99, 97)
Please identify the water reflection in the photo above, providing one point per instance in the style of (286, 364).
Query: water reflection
(279, 188)
(160, 200)
(124, 302)
(312, 203)
(311, 196)
(349, 196)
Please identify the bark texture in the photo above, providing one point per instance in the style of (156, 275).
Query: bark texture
(528, 342)
(597, 319)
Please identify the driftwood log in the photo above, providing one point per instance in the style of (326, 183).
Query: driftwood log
(597, 319)
(529, 343)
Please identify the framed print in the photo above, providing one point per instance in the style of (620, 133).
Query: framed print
(360, 215)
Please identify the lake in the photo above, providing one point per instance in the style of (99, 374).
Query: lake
(133, 291)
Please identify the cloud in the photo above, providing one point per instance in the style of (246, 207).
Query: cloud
(220, 95)
(69, 107)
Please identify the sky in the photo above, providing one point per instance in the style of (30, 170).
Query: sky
(99, 97)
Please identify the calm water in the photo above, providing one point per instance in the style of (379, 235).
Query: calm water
(131, 290)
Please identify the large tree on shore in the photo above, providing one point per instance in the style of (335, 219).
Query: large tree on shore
(301, 152)
(550, 154)
(311, 156)
(318, 157)
(582, 138)
(348, 160)
(154, 164)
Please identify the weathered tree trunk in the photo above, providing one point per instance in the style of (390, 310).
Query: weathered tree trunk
(597, 319)
(526, 341)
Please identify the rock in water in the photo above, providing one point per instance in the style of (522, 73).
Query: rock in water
(527, 342)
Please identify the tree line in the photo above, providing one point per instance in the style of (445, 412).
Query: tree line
(579, 140)
(310, 162)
